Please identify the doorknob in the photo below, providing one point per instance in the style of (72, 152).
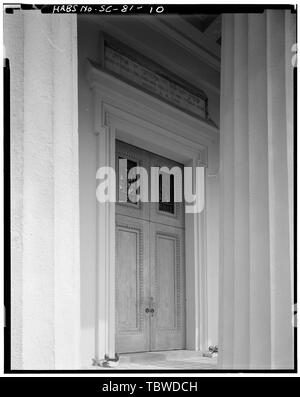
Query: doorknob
(152, 310)
(147, 310)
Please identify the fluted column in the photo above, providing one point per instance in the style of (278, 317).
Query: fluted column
(42, 50)
(255, 328)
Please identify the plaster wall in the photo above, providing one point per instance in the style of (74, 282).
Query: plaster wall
(42, 50)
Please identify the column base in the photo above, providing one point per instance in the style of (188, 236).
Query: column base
(106, 362)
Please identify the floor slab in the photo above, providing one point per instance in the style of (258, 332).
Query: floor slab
(175, 359)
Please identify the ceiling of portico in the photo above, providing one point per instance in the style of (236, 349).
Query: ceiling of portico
(189, 45)
(200, 33)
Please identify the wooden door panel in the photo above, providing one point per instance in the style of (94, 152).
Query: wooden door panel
(132, 291)
(167, 287)
(166, 281)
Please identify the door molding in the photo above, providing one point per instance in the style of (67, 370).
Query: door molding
(124, 112)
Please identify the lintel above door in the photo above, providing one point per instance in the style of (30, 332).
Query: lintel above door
(117, 102)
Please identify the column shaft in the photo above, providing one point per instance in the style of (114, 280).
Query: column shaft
(255, 325)
(46, 267)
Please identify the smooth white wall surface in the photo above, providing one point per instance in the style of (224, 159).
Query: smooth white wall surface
(42, 50)
(212, 207)
(89, 47)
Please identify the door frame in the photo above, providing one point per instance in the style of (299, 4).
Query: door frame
(124, 112)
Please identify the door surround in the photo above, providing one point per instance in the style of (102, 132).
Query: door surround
(124, 112)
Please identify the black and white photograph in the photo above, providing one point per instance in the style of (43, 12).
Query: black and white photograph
(149, 190)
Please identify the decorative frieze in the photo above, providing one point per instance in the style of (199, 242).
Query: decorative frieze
(143, 73)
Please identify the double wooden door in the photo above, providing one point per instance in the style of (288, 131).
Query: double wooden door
(150, 268)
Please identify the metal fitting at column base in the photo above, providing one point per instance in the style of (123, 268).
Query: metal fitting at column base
(107, 362)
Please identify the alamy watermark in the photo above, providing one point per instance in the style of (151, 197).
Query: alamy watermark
(166, 185)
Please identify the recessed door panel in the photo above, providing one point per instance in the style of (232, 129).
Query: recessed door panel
(166, 280)
(132, 284)
(167, 287)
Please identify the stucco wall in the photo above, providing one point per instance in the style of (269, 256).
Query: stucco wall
(42, 50)
(87, 48)
(212, 208)
(13, 41)
(173, 58)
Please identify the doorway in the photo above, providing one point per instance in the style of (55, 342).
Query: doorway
(150, 261)
(127, 114)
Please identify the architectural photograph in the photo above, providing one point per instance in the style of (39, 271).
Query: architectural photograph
(149, 169)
